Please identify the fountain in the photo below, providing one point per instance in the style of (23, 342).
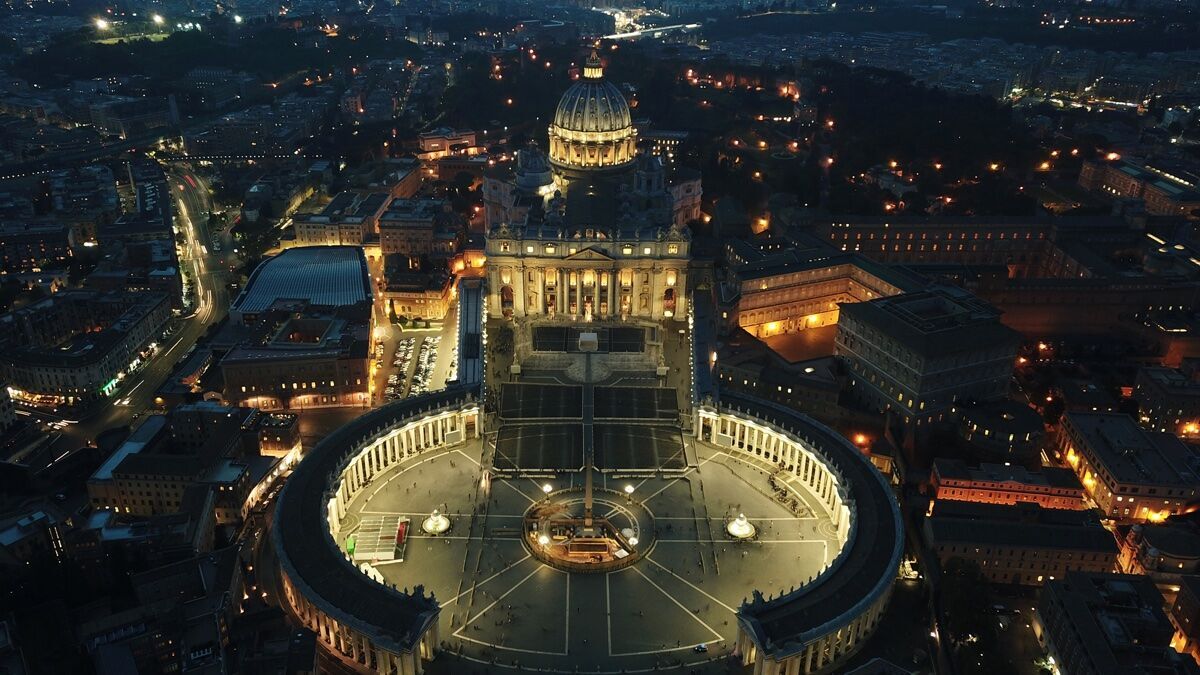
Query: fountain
(436, 523)
(740, 527)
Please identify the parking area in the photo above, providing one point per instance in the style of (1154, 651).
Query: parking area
(401, 369)
(418, 365)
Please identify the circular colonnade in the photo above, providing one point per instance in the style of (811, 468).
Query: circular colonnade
(810, 626)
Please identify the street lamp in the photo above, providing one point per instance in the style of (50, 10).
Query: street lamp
(543, 540)
(102, 24)
(237, 18)
(547, 488)
(158, 19)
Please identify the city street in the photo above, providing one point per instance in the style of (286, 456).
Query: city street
(207, 274)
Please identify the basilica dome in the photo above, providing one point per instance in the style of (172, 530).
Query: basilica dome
(592, 129)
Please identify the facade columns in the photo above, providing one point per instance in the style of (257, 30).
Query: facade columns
(560, 292)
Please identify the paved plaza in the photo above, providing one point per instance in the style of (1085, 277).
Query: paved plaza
(502, 607)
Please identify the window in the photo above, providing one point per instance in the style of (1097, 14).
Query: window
(672, 249)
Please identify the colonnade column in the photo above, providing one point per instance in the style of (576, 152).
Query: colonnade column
(560, 294)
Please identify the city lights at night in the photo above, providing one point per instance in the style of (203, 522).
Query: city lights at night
(770, 337)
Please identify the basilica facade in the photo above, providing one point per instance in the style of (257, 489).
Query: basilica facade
(593, 231)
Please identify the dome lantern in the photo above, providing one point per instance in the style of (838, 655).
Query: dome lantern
(593, 69)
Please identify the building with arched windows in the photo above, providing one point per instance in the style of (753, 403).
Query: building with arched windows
(592, 230)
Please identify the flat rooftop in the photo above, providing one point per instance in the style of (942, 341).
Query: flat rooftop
(1021, 526)
(1118, 621)
(411, 212)
(1178, 383)
(935, 322)
(348, 207)
(1048, 476)
(1132, 454)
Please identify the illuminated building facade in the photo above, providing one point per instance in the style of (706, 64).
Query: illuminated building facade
(417, 227)
(607, 250)
(770, 293)
(592, 231)
(1130, 473)
(76, 345)
(418, 295)
(1051, 487)
(348, 220)
(1047, 275)
(1165, 190)
(299, 332)
(1165, 552)
(285, 375)
(29, 247)
(443, 139)
(588, 274)
(1019, 244)
(1184, 614)
(199, 446)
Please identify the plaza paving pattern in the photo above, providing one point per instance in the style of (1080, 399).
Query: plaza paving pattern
(503, 609)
